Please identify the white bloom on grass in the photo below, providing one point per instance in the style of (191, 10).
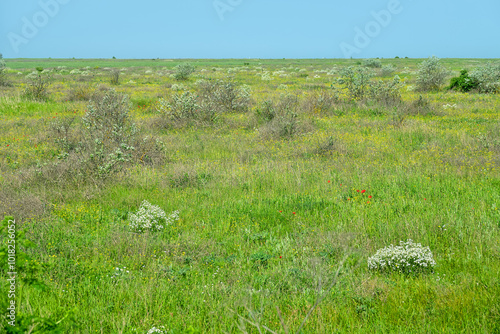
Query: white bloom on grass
(160, 330)
(151, 218)
(407, 257)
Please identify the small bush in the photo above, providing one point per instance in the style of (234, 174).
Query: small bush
(80, 92)
(320, 102)
(150, 218)
(266, 111)
(108, 133)
(463, 83)
(36, 86)
(115, 77)
(387, 93)
(185, 108)
(487, 78)
(431, 74)
(224, 95)
(183, 71)
(388, 70)
(356, 81)
(3, 72)
(376, 63)
(407, 258)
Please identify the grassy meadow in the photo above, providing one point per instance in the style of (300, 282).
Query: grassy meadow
(275, 219)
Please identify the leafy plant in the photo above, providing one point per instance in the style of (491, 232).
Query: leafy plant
(372, 63)
(463, 83)
(183, 71)
(3, 72)
(356, 80)
(487, 78)
(431, 74)
(36, 86)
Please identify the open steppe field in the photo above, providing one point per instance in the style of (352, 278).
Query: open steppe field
(272, 185)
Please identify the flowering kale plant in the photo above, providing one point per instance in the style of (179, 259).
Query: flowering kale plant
(151, 218)
(408, 257)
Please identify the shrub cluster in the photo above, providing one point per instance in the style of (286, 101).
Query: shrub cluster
(376, 63)
(407, 258)
(356, 81)
(463, 83)
(36, 86)
(3, 72)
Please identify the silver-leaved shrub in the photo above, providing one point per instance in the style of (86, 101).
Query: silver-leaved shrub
(151, 218)
(407, 258)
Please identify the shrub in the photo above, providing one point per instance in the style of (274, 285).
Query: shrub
(108, 133)
(183, 71)
(80, 92)
(463, 83)
(388, 70)
(406, 258)
(355, 80)
(36, 86)
(224, 94)
(376, 63)
(185, 107)
(321, 102)
(150, 218)
(3, 72)
(431, 74)
(387, 93)
(487, 78)
(266, 111)
(115, 77)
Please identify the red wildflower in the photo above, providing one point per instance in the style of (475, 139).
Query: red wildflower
(280, 210)
(293, 212)
(7, 145)
(370, 196)
(363, 191)
(357, 190)
(328, 181)
(280, 256)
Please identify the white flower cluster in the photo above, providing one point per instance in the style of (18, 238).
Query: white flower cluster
(408, 257)
(157, 330)
(151, 218)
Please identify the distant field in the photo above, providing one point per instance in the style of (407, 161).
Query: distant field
(285, 185)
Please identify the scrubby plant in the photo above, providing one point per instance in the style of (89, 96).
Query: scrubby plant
(266, 111)
(388, 70)
(114, 77)
(80, 92)
(36, 86)
(376, 63)
(387, 93)
(224, 94)
(108, 133)
(431, 74)
(3, 72)
(183, 71)
(407, 258)
(356, 81)
(487, 78)
(285, 122)
(463, 83)
(320, 102)
(150, 218)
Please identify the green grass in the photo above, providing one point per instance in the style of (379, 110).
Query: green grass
(264, 223)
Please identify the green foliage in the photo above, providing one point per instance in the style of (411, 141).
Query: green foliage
(463, 83)
(387, 93)
(183, 71)
(388, 70)
(36, 86)
(114, 77)
(375, 63)
(431, 74)
(356, 80)
(3, 72)
(108, 133)
(224, 95)
(487, 78)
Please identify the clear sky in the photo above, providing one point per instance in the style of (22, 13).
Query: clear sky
(250, 28)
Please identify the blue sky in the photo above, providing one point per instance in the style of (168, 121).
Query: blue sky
(249, 28)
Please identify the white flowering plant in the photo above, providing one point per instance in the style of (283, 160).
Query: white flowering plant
(407, 258)
(151, 218)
